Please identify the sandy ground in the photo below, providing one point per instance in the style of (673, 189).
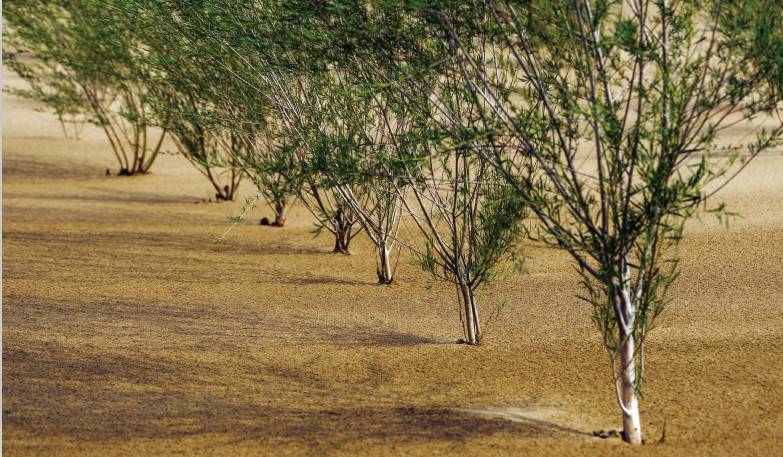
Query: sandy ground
(128, 331)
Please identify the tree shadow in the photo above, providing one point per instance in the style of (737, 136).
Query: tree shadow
(365, 336)
(309, 280)
(30, 167)
(521, 416)
(103, 197)
(104, 397)
(114, 370)
(164, 323)
(327, 430)
(267, 248)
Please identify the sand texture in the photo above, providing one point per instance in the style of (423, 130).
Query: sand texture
(127, 331)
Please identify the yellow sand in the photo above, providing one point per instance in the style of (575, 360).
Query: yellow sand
(128, 331)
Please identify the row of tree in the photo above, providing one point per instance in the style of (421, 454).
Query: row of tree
(595, 126)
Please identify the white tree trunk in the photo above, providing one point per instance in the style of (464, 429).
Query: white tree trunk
(470, 313)
(632, 428)
(629, 401)
(385, 275)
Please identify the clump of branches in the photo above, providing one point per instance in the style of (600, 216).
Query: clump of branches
(267, 82)
(271, 163)
(347, 128)
(180, 87)
(48, 86)
(82, 66)
(213, 151)
(468, 219)
(351, 154)
(468, 216)
(405, 112)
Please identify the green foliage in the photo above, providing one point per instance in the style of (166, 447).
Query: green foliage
(82, 64)
(607, 119)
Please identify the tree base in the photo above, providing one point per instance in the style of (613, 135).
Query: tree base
(466, 342)
(265, 222)
(127, 172)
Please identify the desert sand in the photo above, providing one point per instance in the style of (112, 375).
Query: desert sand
(128, 331)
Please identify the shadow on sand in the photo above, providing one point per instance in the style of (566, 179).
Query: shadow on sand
(53, 391)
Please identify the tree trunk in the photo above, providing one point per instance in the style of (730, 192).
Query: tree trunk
(632, 428)
(629, 401)
(341, 244)
(342, 234)
(225, 194)
(279, 213)
(137, 168)
(231, 190)
(472, 328)
(385, 274)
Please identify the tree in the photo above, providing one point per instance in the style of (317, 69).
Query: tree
(82, 65)
(214, 152)
(179, 89)
(408, 112)
(348, 132)
(351, 151)
(267, 81)
(607, 117)
(271, 163)
(468, 220)
(222, 129)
